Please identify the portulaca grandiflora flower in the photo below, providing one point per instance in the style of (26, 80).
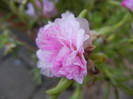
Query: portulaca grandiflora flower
(61, 47)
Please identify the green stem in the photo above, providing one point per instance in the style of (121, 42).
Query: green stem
(35, 5)
(125, 89)
(107, 72)
(116, 93)
(123, 21)
(108, 29)
(61, 81)
(77, 93)
(115, 3)
(41, 10)
(13, 7)
(105, 30)
(108, 86)
(54, 96)
(21, 13)
(63, 85)
(109, 75)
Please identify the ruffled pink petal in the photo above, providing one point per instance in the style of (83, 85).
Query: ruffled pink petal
(85, 26)
(74, 67)
(45, 68)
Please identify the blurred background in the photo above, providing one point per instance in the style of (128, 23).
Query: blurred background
(20, 21)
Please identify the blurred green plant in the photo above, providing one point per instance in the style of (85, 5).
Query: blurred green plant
(37, 75)
(7, 42)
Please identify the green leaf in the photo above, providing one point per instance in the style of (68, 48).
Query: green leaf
(32, 22)
(116, 93)
(21, 13)
(108, 86)
(13, 7)
(125, 89)
(83, 13)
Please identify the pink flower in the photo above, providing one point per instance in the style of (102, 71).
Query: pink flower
(30, 10)
(128, 4)
(49, 9)
(61, 47)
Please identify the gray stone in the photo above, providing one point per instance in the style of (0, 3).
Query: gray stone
(15, 80)
(98, 90)
(41, 94)
(124, 95)
(1, 53)
(28, 57)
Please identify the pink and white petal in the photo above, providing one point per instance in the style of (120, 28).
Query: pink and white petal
(44, 55)
(65, 22)
(47, 39)
(63, 52)
(72, 67)
(45, 68)
(85, 25)
(76, 73)
(80, 38)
